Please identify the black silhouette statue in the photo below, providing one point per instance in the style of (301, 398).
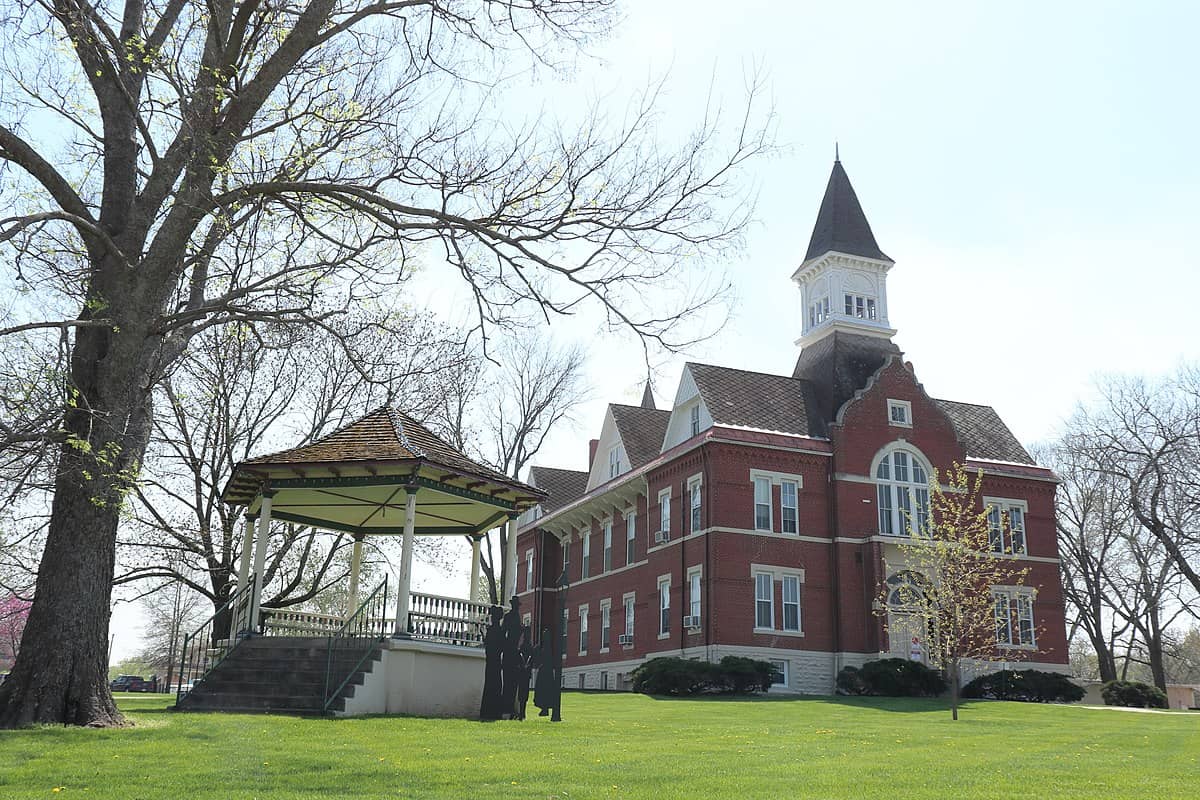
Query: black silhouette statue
(492, 705)
(547, 690)
(510, 658)
(526, 652)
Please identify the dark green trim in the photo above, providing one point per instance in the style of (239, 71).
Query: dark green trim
(358, 530)
(393, 480)
(458, 491)
(491, 521)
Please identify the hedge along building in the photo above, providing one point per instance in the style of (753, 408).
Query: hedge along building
(760, 514)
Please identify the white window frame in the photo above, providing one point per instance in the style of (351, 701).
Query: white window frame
(784, 507)
(695, 499)
(787, 676)
(694, 419)
(529, 570)
(903, 406)
(606, 563)
(695, 587)
(759, 600)
(583, 629)
(1003, 616)
(631, 537)
(1019, 602)
(585, 555)
(1000, 512)
(629, 602)
(759, 481)
(614, 462)
(605, 625)
(566, 556)
(664, 510)
(664, 606)
(1025, 602)
(798, 603)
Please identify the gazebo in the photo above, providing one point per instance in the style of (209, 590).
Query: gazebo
(382, 475)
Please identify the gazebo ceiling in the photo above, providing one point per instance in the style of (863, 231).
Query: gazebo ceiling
(354, 480)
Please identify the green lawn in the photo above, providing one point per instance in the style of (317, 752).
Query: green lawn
(622, 746)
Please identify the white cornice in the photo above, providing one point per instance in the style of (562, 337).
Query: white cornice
(833, 258)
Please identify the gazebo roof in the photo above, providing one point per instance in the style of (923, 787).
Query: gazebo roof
(351, 479)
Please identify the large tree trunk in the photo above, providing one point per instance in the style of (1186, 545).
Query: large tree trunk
(61, 673)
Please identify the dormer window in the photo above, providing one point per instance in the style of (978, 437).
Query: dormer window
(695, 415)
(860, 307)
(614, 462)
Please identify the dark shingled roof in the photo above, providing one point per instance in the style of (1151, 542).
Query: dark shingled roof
(756, 399)
(837, 366)
(563, 485)
(983, 432)
(642, 431)
(385, 434)
(841, 223)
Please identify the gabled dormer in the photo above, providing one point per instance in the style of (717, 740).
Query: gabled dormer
(689, 414)
(630, 437)
(843, 280)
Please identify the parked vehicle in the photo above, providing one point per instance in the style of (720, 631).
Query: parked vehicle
(131, 683)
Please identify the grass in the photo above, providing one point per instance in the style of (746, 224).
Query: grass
(613, 746)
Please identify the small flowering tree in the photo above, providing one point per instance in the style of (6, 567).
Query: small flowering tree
(13, 613)
(953, 553)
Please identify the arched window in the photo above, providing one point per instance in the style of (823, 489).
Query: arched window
(904, 589)
(903, 492)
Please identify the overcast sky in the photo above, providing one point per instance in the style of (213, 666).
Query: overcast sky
(1031, 168)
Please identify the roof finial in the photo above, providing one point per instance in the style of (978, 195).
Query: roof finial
(837, 157)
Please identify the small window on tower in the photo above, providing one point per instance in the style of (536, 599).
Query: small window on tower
(870, 308)
(860, 307)
(849, 304)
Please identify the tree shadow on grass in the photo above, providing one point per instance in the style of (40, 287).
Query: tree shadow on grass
(900, 705)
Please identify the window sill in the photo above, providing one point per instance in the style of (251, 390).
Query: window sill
(666, 635)
(603, 650)
(778, 632)
(1026, 647)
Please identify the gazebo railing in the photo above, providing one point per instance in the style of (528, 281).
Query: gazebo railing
(287, 622)
(447, 619)
(354, 641)
(215, 639)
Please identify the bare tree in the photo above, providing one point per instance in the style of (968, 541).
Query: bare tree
(504, 415)
(240, 161)
(951, 552)
(172, 611)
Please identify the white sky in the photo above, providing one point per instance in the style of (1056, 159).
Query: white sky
(1030, 166)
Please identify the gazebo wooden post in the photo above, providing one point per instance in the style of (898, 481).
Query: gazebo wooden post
(355, 568)
(404, 587)
(260, 557)
(510, 561)
(473, 590)
(247, 551)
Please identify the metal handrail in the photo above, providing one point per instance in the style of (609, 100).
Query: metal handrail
(203, 649)
(365, 627)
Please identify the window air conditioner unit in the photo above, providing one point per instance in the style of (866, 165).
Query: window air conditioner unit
(625, 640)
(662, 537)
(691, 621)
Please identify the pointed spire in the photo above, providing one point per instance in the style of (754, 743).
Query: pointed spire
(648, 397)
(837, 157)
(841, 223)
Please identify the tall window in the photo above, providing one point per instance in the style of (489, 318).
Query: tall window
(614, 462)
(789, 510)
(694, 503)
(694, 594)
(1003, 619)
(629, 616)
(605, 619)
(583, 629)
(566, 548)
(664, 511)
(1025, 629)
(630, 538)
(762, 504)
(791, 602)
(903, 492)
(664, 606)
(695, 418)
(586, 558)
(1011, 512)
(607, 545)
(764, 600)
(528, 570)
(562, 641)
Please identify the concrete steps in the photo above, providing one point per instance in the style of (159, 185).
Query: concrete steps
(281, 675)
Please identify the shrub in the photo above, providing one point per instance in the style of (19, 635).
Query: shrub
(900, 677)
(745, 675)
(849, 681)
(1026, 685)
(682, 676)
(1133, 694)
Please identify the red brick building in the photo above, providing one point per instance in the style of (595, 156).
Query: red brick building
(759, 514)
